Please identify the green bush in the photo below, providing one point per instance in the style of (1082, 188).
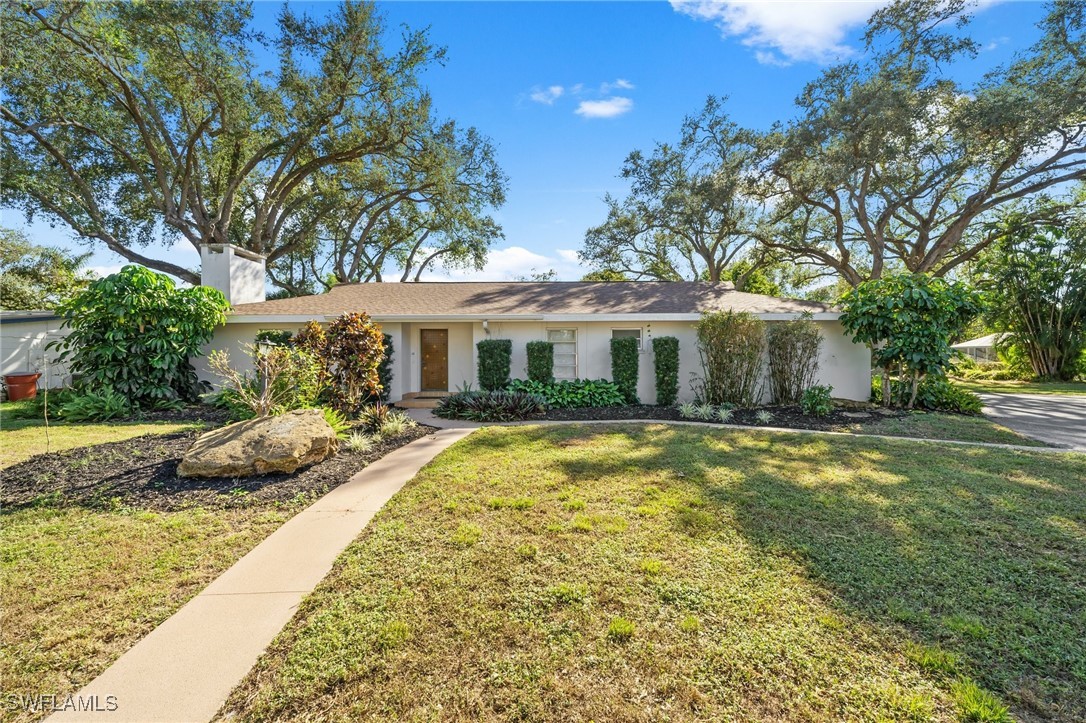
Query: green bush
(495, 359)
(384, 369)
(665, 360)
(353, 353)
(96, 407)
(134, 332)
(541, 361)
(908, 321)
(817, 400)
(337, 421)
(624, 361)
(933, 393)
(732, 347)
(570, 393)
(491, 406)
(793, 348)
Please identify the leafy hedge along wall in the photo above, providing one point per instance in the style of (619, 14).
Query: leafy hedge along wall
(624, 367)
(541, 361)
(495, 358)
(665, 353)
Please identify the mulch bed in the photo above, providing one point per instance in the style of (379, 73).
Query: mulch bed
(791, 417)
(141, 473)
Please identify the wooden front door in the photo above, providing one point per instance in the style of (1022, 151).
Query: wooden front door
(435, 359)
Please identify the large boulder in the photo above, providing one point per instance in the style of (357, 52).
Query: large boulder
(282, 443)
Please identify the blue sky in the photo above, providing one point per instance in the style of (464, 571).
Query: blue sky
(567, 89)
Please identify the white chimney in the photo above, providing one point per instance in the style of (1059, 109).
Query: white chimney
(238, 273)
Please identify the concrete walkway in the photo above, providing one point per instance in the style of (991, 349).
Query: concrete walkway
(186, 667)
(1058, 419)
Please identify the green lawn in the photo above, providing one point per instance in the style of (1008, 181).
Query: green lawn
(81, 586)
(989, 386)
(663, 573)
(936, 425)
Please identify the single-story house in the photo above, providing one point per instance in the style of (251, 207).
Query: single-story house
(435, 327)
(981, 349)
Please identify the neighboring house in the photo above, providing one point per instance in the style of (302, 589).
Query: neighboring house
(981, 349)
(24, 336)
(435, 327)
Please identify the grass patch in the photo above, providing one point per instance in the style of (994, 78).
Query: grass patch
(21, 439)
(983, 386)
(958, 427)
(81, 586)
(836, 578)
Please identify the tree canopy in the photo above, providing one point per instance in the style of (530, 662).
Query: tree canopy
(37, 277)
(892, 165)
(132, 121)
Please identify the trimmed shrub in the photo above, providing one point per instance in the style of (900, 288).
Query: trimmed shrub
(732, 349)
(492, 406)
(541, 361)
(624, 360)
(134, 332)
(495, 358)
(817, 401)
(665, 361)
(384, 370)
(570, 393)
(793, 348)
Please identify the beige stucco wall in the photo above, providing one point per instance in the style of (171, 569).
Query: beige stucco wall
(842, 364)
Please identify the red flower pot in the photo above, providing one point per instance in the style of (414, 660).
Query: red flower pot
(23, 385)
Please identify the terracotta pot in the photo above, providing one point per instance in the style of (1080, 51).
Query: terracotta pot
(23, 385)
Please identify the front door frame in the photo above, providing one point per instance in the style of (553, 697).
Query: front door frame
(423, 365)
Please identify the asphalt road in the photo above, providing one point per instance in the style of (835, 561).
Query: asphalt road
(1052, 418)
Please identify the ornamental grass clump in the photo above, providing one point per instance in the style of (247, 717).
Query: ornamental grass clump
(732, 349)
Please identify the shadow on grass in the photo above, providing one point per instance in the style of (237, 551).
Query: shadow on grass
(978, 553)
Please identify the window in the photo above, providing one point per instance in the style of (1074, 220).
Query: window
(565, 352)
(627, 333)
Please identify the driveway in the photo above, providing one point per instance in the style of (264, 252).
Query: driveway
(1053, 418)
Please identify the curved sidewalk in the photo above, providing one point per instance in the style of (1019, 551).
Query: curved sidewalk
(185, 668)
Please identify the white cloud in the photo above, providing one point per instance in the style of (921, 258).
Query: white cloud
(620, 84)
(607, 108)
(514, 262)
(786, 31)
(547, 95)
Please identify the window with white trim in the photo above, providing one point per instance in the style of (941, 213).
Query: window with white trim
(565, 352)
(628, 333)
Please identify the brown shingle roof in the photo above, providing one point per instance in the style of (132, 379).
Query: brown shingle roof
(530, 298)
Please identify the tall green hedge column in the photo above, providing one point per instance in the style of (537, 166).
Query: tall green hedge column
(624, 367)
(665, 360)
(541, 361)
(495, 358)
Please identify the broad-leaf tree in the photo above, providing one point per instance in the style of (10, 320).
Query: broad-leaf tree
(126, 121)
(686, 215)
(908, 321)
(1035, 283)
(893, 165)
